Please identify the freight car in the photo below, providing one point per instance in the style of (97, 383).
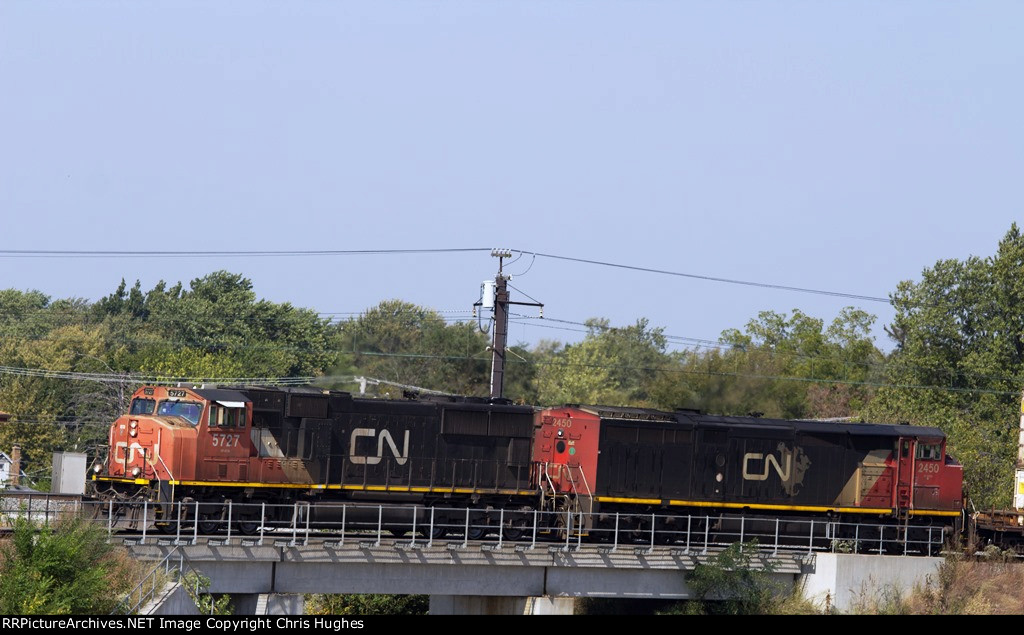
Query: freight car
(604, 465)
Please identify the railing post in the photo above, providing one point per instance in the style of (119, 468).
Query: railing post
(263, 520)
(465, 533)
(344, 510)
(615, 543)
(414, 507)
(430, 532)
(856, 537)
(881, 539)
(929, 542)
(145, 520)
(653, 522)
(309, 512)
(295, 522)
(195, 526)
(810, 541)
(742, 529)
(177, 528)
(229, 520)
(707, 527)
(775, 551)
(110, 515)
(568, 527)
(533, 543)
(501, 525)
(46, 511)
(380, 522)
(688, 519)
(906, 533)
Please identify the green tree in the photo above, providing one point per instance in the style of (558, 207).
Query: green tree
(958, 362)
(66, 569)
(372, 604)
(781, 365)
(729, 583)
(614, 366)
(404, 343)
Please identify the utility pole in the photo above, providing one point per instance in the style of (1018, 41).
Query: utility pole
(500, 303)
(500, 327)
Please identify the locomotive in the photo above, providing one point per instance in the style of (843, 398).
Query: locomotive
(214, 446)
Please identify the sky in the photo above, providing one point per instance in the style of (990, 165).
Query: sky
(840, 146)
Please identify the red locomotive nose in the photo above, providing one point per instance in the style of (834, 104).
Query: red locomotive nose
(134, 447)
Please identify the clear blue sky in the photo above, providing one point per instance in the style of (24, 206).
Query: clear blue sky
(834, 145)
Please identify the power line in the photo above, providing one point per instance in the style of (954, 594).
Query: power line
(149, 379)
(687, 371)
(97, 253)
(748, 283)
(89, 253)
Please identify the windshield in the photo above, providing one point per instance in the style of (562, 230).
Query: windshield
(187, 409)
(142, 406)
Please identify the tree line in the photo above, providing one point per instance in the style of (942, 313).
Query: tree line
(956, 359)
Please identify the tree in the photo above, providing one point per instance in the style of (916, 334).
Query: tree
(404, 343)
(66, 569)
(959, 335)
(781, 365)
(371, 604)
(729, 583)
(614, 366)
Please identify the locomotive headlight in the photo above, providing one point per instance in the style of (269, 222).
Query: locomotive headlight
(136, 471)
(133, 432)
(96, 469)
(133, 423)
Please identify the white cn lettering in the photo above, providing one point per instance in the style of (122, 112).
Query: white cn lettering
(385, 436)
(769, 462)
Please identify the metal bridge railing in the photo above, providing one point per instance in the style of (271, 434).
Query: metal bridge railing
(416, 527)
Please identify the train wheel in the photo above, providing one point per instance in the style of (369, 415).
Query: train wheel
(477, 528)
(438, 532)
(513, 533)
(398, 532)
(209, 525)
(247, 527)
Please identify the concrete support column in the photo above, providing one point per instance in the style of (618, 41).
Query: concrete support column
(268, 603)
(500, 605)
(845, 581)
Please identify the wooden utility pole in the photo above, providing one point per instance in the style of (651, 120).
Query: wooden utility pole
(499, 343)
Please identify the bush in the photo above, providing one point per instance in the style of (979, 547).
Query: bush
(64, 569)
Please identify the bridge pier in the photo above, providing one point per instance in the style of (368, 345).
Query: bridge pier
(846, 581)
(268, 604)
(500, 605)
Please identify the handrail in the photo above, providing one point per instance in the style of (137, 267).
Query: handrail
(300, 529)
(120, 609)
(178, 575)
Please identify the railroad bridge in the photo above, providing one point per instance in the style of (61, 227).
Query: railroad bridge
(268, 571)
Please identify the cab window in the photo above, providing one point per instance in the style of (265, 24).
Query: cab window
(929, 451)
(142, 406)
(221, 417)
(188, 410)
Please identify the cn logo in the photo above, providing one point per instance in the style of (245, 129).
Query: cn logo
(124, 452)
(383, 437)
(754, 474)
